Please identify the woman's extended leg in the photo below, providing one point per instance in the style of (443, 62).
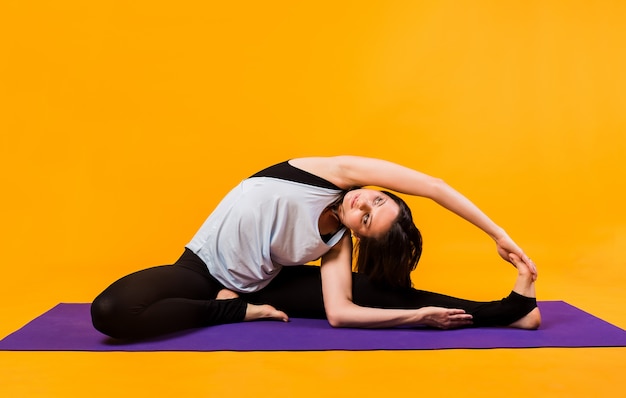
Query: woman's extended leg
(518, 309)
(162, 300)
(298, 292)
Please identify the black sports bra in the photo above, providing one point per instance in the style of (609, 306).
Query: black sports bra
(286, 171)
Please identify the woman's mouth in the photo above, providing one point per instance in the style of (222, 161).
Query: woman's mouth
(353, 201)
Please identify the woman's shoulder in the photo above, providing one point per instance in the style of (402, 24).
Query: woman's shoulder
(327, 168)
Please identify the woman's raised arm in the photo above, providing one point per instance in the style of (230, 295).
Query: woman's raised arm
(351, 171)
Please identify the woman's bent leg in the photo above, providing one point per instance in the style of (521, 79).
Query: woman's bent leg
(296, 290)
(162, 300)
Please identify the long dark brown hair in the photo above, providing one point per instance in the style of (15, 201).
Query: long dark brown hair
(389, 260)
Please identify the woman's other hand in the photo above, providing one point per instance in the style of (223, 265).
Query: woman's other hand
(444, 318)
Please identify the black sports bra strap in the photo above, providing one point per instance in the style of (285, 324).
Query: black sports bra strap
(286, 171)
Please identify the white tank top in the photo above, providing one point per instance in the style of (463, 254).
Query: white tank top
(263, 224)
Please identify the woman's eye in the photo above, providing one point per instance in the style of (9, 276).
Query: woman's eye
(365, 218)
(377, 201)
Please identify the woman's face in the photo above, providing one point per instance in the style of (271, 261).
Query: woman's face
(367, 212)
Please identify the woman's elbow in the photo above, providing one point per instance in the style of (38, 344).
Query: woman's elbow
(437, 188)
(437, 183)
(337, 323)
(336, 319)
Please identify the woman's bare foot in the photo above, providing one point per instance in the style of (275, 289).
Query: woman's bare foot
(254, 312)
(264, 311)
(525, 285)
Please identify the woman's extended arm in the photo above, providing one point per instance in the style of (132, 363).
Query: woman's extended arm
(350, 171)
(342, 312)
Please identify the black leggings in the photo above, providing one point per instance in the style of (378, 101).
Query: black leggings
(181, 296)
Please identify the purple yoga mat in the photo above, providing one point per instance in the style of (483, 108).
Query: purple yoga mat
(67, 327)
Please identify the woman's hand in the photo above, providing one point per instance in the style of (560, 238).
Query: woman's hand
(506, 247)
(444, 318)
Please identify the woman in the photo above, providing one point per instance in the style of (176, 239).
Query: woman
(245, 261)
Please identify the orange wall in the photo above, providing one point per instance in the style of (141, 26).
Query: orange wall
(123, 123)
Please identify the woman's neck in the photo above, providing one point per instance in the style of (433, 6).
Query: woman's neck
(328, 222)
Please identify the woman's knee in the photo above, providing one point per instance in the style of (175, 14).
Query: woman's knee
(107, 315)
